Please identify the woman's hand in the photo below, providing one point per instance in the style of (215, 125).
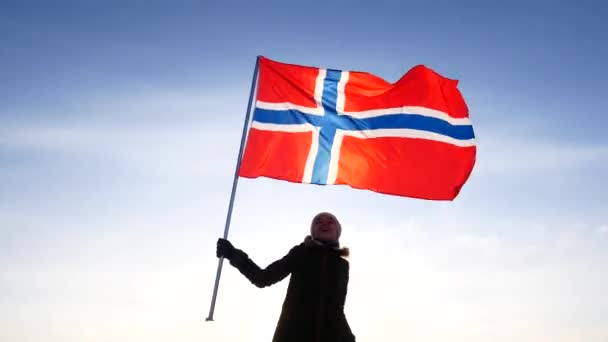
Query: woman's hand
(224, 249)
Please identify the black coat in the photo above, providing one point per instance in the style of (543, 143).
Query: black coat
(313, 310)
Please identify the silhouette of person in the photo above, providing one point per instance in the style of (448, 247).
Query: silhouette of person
(313, 309)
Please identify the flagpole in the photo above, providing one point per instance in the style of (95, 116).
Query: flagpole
(234, 184)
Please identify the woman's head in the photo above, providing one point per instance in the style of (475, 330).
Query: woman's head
(326, 227)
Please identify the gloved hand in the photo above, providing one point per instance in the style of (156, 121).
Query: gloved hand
(224, 249)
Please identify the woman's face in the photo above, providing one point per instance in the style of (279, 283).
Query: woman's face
(325, 227)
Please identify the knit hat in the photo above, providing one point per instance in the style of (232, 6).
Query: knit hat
(338, 225)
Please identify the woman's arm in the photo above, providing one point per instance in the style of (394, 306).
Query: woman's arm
(347, 334)
(270, 275)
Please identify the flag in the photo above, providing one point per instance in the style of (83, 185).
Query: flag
(313, 125)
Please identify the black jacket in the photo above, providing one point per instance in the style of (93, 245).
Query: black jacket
(313, 310)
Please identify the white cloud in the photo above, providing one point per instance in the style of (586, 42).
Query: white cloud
(176, 151)
(522, 155)
(164, 132)
(602, 230)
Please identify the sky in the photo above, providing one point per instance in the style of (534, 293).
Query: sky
(120, 125)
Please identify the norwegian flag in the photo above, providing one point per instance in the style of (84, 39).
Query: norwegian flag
(411, 138)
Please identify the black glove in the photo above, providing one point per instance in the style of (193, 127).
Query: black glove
(224, 249)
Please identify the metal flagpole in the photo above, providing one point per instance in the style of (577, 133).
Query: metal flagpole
(234, 184)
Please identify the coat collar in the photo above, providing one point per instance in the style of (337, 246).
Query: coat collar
(310, 242)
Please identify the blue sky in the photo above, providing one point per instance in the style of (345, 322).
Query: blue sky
(119, 129)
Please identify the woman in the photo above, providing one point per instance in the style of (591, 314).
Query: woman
(313, 310)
